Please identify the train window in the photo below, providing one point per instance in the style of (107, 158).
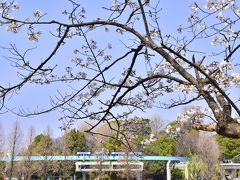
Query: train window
(83, 153)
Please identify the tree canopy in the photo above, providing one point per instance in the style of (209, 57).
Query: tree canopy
(75, 141)
(230, 148)
(108, 79)
(42, 145)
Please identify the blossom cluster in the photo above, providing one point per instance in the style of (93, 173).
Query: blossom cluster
(228, 80)
(193, 115)
(185, 88)
(173, 131)
(219, 41)
(219, 5)
(147, 142)
(13, 27)
(6, 8)
(37, 14)
(34, 35)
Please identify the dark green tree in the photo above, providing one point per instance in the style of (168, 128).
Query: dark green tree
(230, 147)
(75, 141)
(177, 174)
(43, 146)
(113, 145)
(163, 146)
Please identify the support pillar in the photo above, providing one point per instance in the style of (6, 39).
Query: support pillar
(186, 170)
(168, 170)
(73, 177)
(139, 176)
(84, 176)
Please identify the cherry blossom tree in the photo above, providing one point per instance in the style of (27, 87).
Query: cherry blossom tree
(109, 79)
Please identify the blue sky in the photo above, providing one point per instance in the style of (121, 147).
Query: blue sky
(39, 96)
(173, 14)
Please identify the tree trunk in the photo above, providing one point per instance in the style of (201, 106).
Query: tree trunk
(228, 129)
